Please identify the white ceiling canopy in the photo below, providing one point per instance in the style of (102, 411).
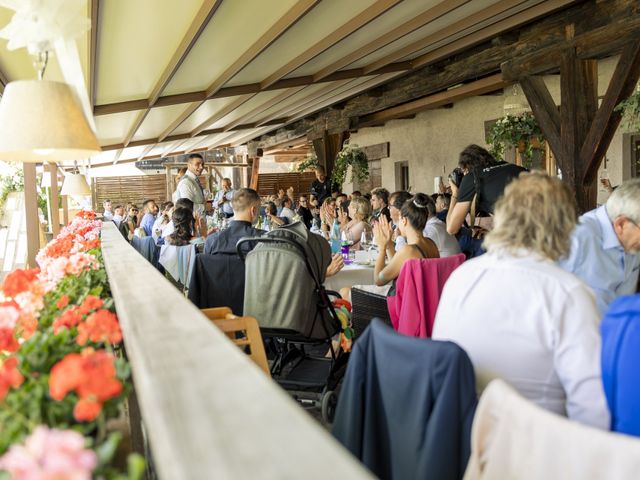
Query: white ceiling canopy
(165, 76)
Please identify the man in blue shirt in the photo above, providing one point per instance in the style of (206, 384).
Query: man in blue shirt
(605, 246)
(150, 210)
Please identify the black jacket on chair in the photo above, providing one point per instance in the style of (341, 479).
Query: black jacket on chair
(406, 406)
(218, 281)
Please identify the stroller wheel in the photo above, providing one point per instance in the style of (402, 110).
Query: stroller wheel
(328, 406)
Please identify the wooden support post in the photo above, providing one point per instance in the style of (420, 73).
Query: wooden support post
(578, 106)
(55, 212)
(65, 209)
(545, 111)
(255, 168)
(606, 120)
(31, 213)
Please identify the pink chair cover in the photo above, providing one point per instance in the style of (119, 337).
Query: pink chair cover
(418, 289)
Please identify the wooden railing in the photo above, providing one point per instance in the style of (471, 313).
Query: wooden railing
(208, 411)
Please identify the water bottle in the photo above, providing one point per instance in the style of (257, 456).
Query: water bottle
(344, 247)
(335, 237)
(265, 224)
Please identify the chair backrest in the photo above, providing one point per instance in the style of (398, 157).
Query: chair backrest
(406, 405)
(178, 261)
(217, 281)
(514, 438)
(243, 331)
(418, 289)
(620, 360)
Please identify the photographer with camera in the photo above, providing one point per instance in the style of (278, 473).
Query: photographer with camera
(476, 185)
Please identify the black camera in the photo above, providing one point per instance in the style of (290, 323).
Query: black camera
(455, 177)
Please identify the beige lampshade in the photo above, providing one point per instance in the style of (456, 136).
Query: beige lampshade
(46, 180)
(43, 121)
(75, 184)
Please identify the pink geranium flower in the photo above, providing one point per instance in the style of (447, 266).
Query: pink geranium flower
(50, 454)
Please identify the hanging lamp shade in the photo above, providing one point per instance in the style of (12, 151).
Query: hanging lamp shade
(75, 184)
(46, 180)
(42, 121)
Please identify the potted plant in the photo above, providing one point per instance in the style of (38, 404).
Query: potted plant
(630, 110)
(519, 131)
(350, 155)
(308, 164)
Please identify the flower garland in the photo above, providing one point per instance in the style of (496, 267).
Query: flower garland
(60, 379)
(354, 156)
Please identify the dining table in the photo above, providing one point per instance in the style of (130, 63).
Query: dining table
(351, 274)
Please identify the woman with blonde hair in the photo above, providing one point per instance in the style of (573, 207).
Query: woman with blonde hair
(353, 224)
(522, 318)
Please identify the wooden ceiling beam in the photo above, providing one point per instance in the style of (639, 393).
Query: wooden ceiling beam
(289, 19)
(264, 107)
(482, 60)
(424, 18)
(603, 41)
(223, 112)
(450, 33)
(238, 90)
(342, 32)
(488, 84)
(489, 32)
(94, 15)
(245, 92)
(287, 109)
(199, 23)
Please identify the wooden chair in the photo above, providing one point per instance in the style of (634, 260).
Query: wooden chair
(249, 337)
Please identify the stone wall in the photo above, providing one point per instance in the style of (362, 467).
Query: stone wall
(431, 141)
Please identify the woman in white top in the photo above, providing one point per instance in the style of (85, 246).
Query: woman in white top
(522, 318)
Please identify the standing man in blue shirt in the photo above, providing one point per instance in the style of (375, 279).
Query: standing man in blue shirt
(224, 197)
(605, 246)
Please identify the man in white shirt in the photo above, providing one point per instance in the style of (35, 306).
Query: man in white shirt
(286, 210)
(522, 318)
(189, 185)
(108, 213)
(436, 230)
(223, 198)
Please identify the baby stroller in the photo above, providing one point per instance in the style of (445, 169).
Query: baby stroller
(284, 274)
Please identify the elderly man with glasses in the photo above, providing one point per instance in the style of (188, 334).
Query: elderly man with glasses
(605, 246)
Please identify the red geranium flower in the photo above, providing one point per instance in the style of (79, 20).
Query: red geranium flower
(8, 341)
(101, 326)
(19, 281)
(92, 375)
(70, 318)
(63, 302)
(90, 303)
(10, 376)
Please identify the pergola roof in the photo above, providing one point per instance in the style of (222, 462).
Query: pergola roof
(169, 77)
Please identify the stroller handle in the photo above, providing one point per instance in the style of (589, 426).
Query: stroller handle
(243, 253)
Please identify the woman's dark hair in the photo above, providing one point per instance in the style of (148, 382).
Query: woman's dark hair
(398, 198)
(183, 225)
(475, 158)
(271, 208)
(416, 210)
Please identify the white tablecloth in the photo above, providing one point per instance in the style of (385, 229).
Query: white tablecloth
(350, 275)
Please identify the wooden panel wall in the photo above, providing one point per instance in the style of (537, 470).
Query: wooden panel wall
(121, 190)
(269, 183)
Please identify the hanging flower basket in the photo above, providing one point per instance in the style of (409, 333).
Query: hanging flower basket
(519, 131)
(630, 110)
(308, 164)
(350, 155)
